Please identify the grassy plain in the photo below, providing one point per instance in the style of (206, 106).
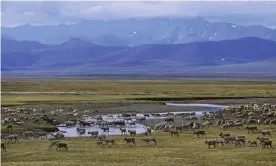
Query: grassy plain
(91, 90)
(185, 151)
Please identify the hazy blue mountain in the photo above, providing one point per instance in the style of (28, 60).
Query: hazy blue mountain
(17, 60)
(135, 32)
(78, 56)
(18, 54)
(111, 40)
(255, 69)
(10, 45)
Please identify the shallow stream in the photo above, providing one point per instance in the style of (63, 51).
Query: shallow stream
(140, 128)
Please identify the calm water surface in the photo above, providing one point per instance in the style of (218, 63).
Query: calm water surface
(140, 128)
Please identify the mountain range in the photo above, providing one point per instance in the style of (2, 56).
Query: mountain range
(134, 32)
(77, 56)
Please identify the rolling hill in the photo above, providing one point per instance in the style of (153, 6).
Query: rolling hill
(77, 56)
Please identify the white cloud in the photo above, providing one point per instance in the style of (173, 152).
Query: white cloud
(16, 13)
(116, 10)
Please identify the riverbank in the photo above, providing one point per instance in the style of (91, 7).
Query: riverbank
(96, 108)
(229, 101)
(112, 108)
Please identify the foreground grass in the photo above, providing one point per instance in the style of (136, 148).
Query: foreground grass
(187, 150)
(120, 90)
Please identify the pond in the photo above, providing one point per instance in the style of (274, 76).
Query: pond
(140, 128)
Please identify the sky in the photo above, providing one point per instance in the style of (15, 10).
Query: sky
(49, 13)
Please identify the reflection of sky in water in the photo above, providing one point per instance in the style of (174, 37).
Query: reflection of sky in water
(196, 105)
(71, 131)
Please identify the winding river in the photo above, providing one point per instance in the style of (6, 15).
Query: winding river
(71, 131)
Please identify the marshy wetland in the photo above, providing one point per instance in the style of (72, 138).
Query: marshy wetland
(142, 106)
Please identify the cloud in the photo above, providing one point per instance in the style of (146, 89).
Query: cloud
(117, 10)
(18, 13)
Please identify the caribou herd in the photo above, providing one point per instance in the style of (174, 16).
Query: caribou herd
(247, 117)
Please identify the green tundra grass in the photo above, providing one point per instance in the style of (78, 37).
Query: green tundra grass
(129, 90)
(186, 150)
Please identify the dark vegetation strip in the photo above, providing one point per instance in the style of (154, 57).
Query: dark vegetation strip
(140, 100)
(83, 102)
(46, 128)
(215, 77)
(191, 98)
(143, 76)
